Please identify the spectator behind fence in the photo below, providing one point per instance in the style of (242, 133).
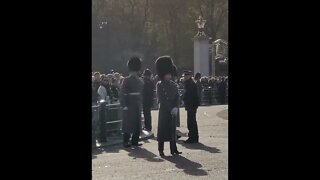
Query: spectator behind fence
(204, 81)
(114, 89)
(102, 91)
(94, 94)
(147, 96)
(117, 79)
(222, 91)
(95, 86)
(109, 78)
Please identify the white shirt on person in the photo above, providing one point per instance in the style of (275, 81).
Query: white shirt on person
(102, 93)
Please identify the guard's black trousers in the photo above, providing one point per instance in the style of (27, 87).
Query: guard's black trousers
(134, 139)
(173, 146)
(192, 124)
(147, 118)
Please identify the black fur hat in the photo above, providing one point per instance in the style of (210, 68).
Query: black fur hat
(134, 64)
(164, 65)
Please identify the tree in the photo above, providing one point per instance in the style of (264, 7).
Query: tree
(151, 28)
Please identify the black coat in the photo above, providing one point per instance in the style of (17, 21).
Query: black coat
(147, 93)
(190, 97)
(199, 88)
(222, 88)
(130, 97)
(95, 95)
(167, 93)
(109, 92)
(115, 92)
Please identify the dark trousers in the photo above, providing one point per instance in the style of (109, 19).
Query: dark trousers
(134, 139)
(173, 146)
(147, 118)
(192, 124)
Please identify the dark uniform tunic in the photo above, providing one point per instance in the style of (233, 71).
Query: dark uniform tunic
(167, 93)
(131, 97)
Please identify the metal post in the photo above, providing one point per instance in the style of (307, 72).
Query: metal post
(102, 121)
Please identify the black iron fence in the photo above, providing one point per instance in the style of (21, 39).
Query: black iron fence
(209, 96)
(106, 121)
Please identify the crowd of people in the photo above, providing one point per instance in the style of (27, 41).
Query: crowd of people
(107, 86)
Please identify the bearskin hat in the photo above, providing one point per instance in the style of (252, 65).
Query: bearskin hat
(164, 65)
(134, 64)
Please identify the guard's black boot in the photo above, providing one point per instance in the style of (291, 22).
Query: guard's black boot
(160, 148)
(173, 148)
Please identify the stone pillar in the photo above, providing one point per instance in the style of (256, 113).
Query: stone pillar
(201, 55)
(201, 49)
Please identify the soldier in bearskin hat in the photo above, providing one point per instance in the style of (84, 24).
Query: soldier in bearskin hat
(130, 101)
(167, 93)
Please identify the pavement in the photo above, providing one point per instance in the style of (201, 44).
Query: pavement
(207, 159)
(116, 139)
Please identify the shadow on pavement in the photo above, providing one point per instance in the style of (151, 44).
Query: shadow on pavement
(199, 146)
(223, 114)
(115, 149)
(189, 167)
(111, 149)
(138, 152)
